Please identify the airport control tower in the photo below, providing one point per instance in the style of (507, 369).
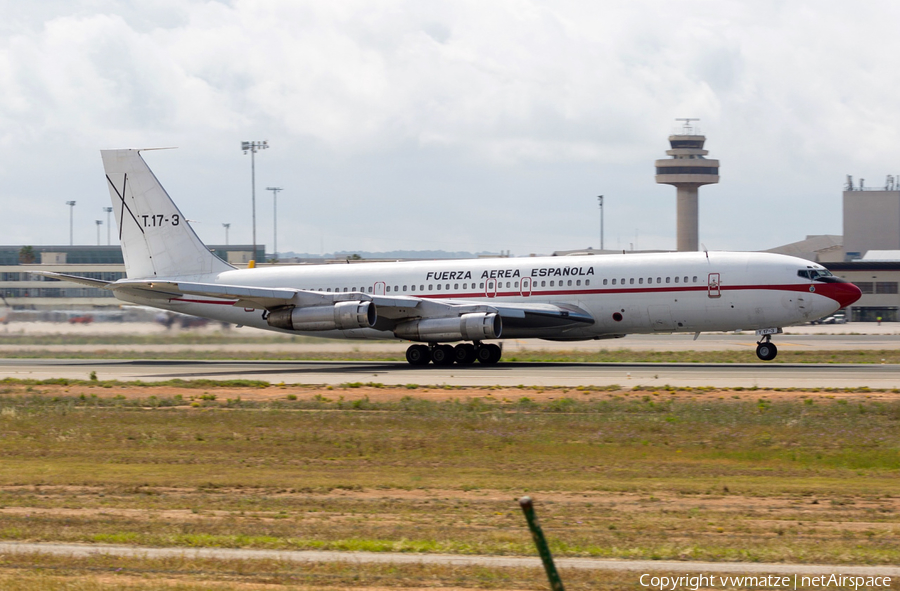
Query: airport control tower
(687, 169)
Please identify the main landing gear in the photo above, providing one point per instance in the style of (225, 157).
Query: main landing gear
(766, 349)
(462, 354)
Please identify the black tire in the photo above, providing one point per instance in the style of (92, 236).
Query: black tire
(489, 354)
(766, 351)
(464, 354)
(442, 355)
(418, 355)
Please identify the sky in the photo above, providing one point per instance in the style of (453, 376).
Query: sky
(451, 125)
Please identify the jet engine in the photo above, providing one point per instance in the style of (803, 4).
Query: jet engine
(468, 327)
(341, 316)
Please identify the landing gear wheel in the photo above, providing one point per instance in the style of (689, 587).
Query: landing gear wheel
(442, 355)
(464, 354)
(489, 354)
(418, 355)
(766, 351)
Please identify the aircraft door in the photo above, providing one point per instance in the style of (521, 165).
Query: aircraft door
(714, 286)
(379, 288)
(490, 288)
(526, 286)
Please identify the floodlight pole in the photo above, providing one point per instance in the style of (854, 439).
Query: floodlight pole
(252, 147)
(108, 211)
(99, 223)
(226, 226)
(275, 220)
(600, 200)
(71, 205)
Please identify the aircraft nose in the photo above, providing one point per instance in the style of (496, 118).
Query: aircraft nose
(844, 293)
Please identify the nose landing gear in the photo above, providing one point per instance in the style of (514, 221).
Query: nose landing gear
(766, 349)
(462, 354)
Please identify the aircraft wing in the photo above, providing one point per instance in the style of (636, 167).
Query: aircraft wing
(391, 310)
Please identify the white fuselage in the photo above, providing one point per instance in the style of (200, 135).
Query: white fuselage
(632, 293)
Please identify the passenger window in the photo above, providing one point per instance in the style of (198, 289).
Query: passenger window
(481, 285)
(676, 280)
(685, 279)
(431, 287)
(404, 288)
(623, 281)
(668, 279)
(551, 284)
(659, 279)
(370, 290)
(439, 287)
(464, 286)
(456, 286)
(388, 288)
(695, 279)
(614, 281)
(578, 282)
(329, 289)
(421, 288)
(448, 287)
(587, 281)
(396, 288)
(604, 282)
(641, 280)
(543, 284)
(517, 284)
(413, 288)
(631, 281)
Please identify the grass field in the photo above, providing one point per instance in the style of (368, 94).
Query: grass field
(661, 474)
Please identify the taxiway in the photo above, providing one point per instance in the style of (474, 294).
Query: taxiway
(503, 374)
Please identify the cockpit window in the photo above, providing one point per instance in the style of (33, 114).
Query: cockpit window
(814, 274)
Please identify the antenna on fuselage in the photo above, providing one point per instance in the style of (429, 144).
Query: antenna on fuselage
(705, 250)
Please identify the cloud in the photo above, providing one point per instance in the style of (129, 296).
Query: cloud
(577, 97)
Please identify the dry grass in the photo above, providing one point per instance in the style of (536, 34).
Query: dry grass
(636, 476)
(23, 572)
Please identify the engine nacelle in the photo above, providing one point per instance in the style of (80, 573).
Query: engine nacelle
(468, 327)
(341, 316)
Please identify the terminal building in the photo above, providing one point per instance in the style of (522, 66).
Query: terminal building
(23, 288)
(868, 253)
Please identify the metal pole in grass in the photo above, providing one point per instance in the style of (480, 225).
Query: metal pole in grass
(541, 542)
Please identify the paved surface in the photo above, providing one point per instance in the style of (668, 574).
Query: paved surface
(677, 342)
(860, 335)
(448, 559)
(502, 374)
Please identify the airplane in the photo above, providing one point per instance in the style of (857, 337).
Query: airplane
(468, 302)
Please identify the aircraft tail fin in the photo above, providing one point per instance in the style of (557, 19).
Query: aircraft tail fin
(156, 239)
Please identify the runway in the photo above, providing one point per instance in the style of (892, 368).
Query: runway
(502, 374)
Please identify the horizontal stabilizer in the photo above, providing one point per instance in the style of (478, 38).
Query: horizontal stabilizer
(248, 297)
(98, 283)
